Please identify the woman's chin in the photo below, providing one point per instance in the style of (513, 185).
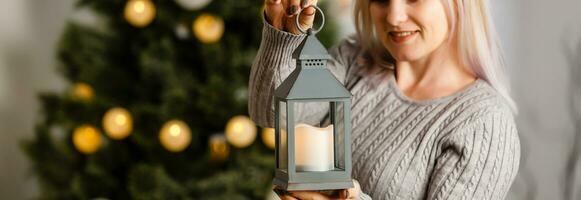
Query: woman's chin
(405, 54)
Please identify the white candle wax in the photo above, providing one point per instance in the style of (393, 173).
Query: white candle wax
(313, 148)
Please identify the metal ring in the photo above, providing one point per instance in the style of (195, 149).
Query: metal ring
(307, 31)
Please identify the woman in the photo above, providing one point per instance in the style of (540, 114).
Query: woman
(431, 114)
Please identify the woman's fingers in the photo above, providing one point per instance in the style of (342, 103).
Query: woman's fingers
(343, 194)
(308, 15)
(353, 193)
(282, 194)
(292, 7)
(287, 197)
(308, 195)
(282, 14)
(275, 13)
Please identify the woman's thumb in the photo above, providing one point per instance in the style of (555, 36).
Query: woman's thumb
(308, 15)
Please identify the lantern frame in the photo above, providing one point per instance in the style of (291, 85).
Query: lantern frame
(310, 82)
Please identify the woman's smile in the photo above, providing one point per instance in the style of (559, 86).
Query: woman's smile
(410, 30)
(402, 37)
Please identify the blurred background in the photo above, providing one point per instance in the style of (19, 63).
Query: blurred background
(59, 60)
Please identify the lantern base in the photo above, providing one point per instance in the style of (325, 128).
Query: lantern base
(284, 184)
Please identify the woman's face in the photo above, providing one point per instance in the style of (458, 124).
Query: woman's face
(410, 29)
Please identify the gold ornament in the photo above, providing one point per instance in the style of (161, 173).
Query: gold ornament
(117, 123)
(87, 139)
(182, 31)
(219, 149)
(175, 135)
(268, 137)
(240, 131)
(82, 92)
(193, 4)
(139, 13)
(208, 28)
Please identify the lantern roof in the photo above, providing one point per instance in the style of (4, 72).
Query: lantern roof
(311, 82)
(311, 48)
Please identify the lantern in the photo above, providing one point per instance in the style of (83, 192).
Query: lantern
(312, 154)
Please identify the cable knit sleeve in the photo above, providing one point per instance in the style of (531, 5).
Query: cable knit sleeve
(363, 196)
(273, 64)
(480, 161)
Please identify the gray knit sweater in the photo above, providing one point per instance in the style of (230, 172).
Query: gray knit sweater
(462, 146)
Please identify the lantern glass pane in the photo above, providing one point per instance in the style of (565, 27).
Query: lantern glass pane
(313, 138)
(282, 142)
(338, 120)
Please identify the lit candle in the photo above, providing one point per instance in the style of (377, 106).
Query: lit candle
(314, 148)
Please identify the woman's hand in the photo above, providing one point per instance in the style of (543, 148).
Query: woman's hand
(351, 193)
(282, 14)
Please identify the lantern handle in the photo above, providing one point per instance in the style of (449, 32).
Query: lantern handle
(310, 30)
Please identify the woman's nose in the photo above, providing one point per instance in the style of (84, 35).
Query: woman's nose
(396, 13)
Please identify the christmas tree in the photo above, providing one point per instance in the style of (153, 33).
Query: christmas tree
(153, 90)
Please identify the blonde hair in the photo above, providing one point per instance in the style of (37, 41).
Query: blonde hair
(478, 46)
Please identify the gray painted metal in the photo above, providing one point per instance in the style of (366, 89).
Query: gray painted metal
(311, 81)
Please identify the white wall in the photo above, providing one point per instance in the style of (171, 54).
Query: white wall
(28, 34)
(541, 75)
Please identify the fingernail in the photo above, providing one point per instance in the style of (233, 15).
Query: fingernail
(304, 3)
(292, 10)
